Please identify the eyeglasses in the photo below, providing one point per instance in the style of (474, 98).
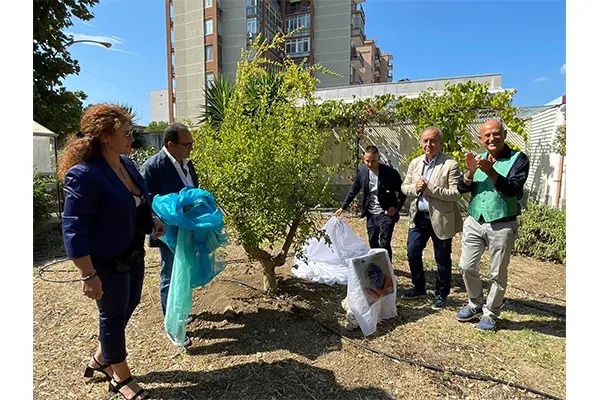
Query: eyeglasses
(189, 146)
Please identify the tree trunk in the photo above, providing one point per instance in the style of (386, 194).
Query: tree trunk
(269, 279)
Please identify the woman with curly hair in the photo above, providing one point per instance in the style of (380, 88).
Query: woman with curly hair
(105, 220)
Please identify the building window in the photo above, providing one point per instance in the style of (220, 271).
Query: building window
(251, 27)
(297, 21)
(298, 46)
(207, 3)
(253, 7)
(273, 18)
(208, 52)
(208, 27)
(210, 79)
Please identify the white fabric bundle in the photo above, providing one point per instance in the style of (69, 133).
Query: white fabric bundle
(328, 263)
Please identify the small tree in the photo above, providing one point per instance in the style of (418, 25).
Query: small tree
(156, 126)
(265, 163)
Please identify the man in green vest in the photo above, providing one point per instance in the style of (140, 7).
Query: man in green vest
(495, 180)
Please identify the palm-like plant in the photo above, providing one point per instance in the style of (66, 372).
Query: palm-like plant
(217, 98)
(267, 85)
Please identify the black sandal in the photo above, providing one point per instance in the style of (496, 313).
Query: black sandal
(89, 371)
(115, 388)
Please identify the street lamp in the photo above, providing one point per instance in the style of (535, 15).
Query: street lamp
(105, 44)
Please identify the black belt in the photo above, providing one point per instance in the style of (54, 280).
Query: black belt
(505, 219)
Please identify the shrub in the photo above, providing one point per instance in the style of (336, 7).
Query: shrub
(43, 200)
(138, 156)
(542, 233)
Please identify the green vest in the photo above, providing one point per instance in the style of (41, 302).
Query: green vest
(486, 201)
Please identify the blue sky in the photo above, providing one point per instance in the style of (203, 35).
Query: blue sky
(523, 40)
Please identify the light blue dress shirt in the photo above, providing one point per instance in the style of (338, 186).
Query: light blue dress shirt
(423, 202)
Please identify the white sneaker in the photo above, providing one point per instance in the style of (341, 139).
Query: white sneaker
(186, 343)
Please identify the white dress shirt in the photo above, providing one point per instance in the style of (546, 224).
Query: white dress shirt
(186, 178)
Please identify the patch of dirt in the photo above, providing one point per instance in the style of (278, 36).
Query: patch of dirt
(249, 346)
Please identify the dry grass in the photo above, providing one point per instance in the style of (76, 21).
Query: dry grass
(247, 346)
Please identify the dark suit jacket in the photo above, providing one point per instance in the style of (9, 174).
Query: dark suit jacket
(100, 214)
(389, 190)
(162, 178)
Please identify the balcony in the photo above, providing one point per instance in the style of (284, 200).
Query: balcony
(356, 80)
(296, 7)
(301, 54)
(219, 12)
(357, 10)
(358, 33)
(302, 32)
(356, 59)
(377, 61)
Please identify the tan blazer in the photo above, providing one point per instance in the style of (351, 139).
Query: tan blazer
(442, 192)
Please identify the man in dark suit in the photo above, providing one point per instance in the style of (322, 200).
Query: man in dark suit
(166, 172)
(382, 199)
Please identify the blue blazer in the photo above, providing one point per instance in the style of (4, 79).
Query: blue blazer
(162, 178)
(99, 218)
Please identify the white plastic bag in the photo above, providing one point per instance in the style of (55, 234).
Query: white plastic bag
(328, 263)
(371, 295)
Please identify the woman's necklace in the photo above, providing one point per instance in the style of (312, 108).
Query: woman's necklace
(123, 174)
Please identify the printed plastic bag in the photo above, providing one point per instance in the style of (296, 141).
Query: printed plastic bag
(371, 295)
(328, 263)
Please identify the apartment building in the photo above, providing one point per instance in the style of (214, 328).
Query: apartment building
(205, 39)
(377, 66)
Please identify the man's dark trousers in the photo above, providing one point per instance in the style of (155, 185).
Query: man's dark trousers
(417, 240)
(380, 228)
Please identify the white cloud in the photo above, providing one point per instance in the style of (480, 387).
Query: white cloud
(124, 51)
(540, 79)
(113, 40)
(563, 69)
(88, 24)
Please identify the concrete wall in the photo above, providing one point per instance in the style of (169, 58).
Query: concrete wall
(159, 105)
(331, 42)
(233, 31)
(188, 19)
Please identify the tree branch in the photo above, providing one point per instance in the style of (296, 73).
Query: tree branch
(280, 259)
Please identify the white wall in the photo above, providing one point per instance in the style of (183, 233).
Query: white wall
(544, 165)
(159, 105)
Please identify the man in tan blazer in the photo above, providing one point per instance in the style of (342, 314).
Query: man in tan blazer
(432, 181)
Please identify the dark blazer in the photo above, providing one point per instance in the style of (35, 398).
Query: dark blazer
(162, 178)
(99, 218)
(389, 190)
